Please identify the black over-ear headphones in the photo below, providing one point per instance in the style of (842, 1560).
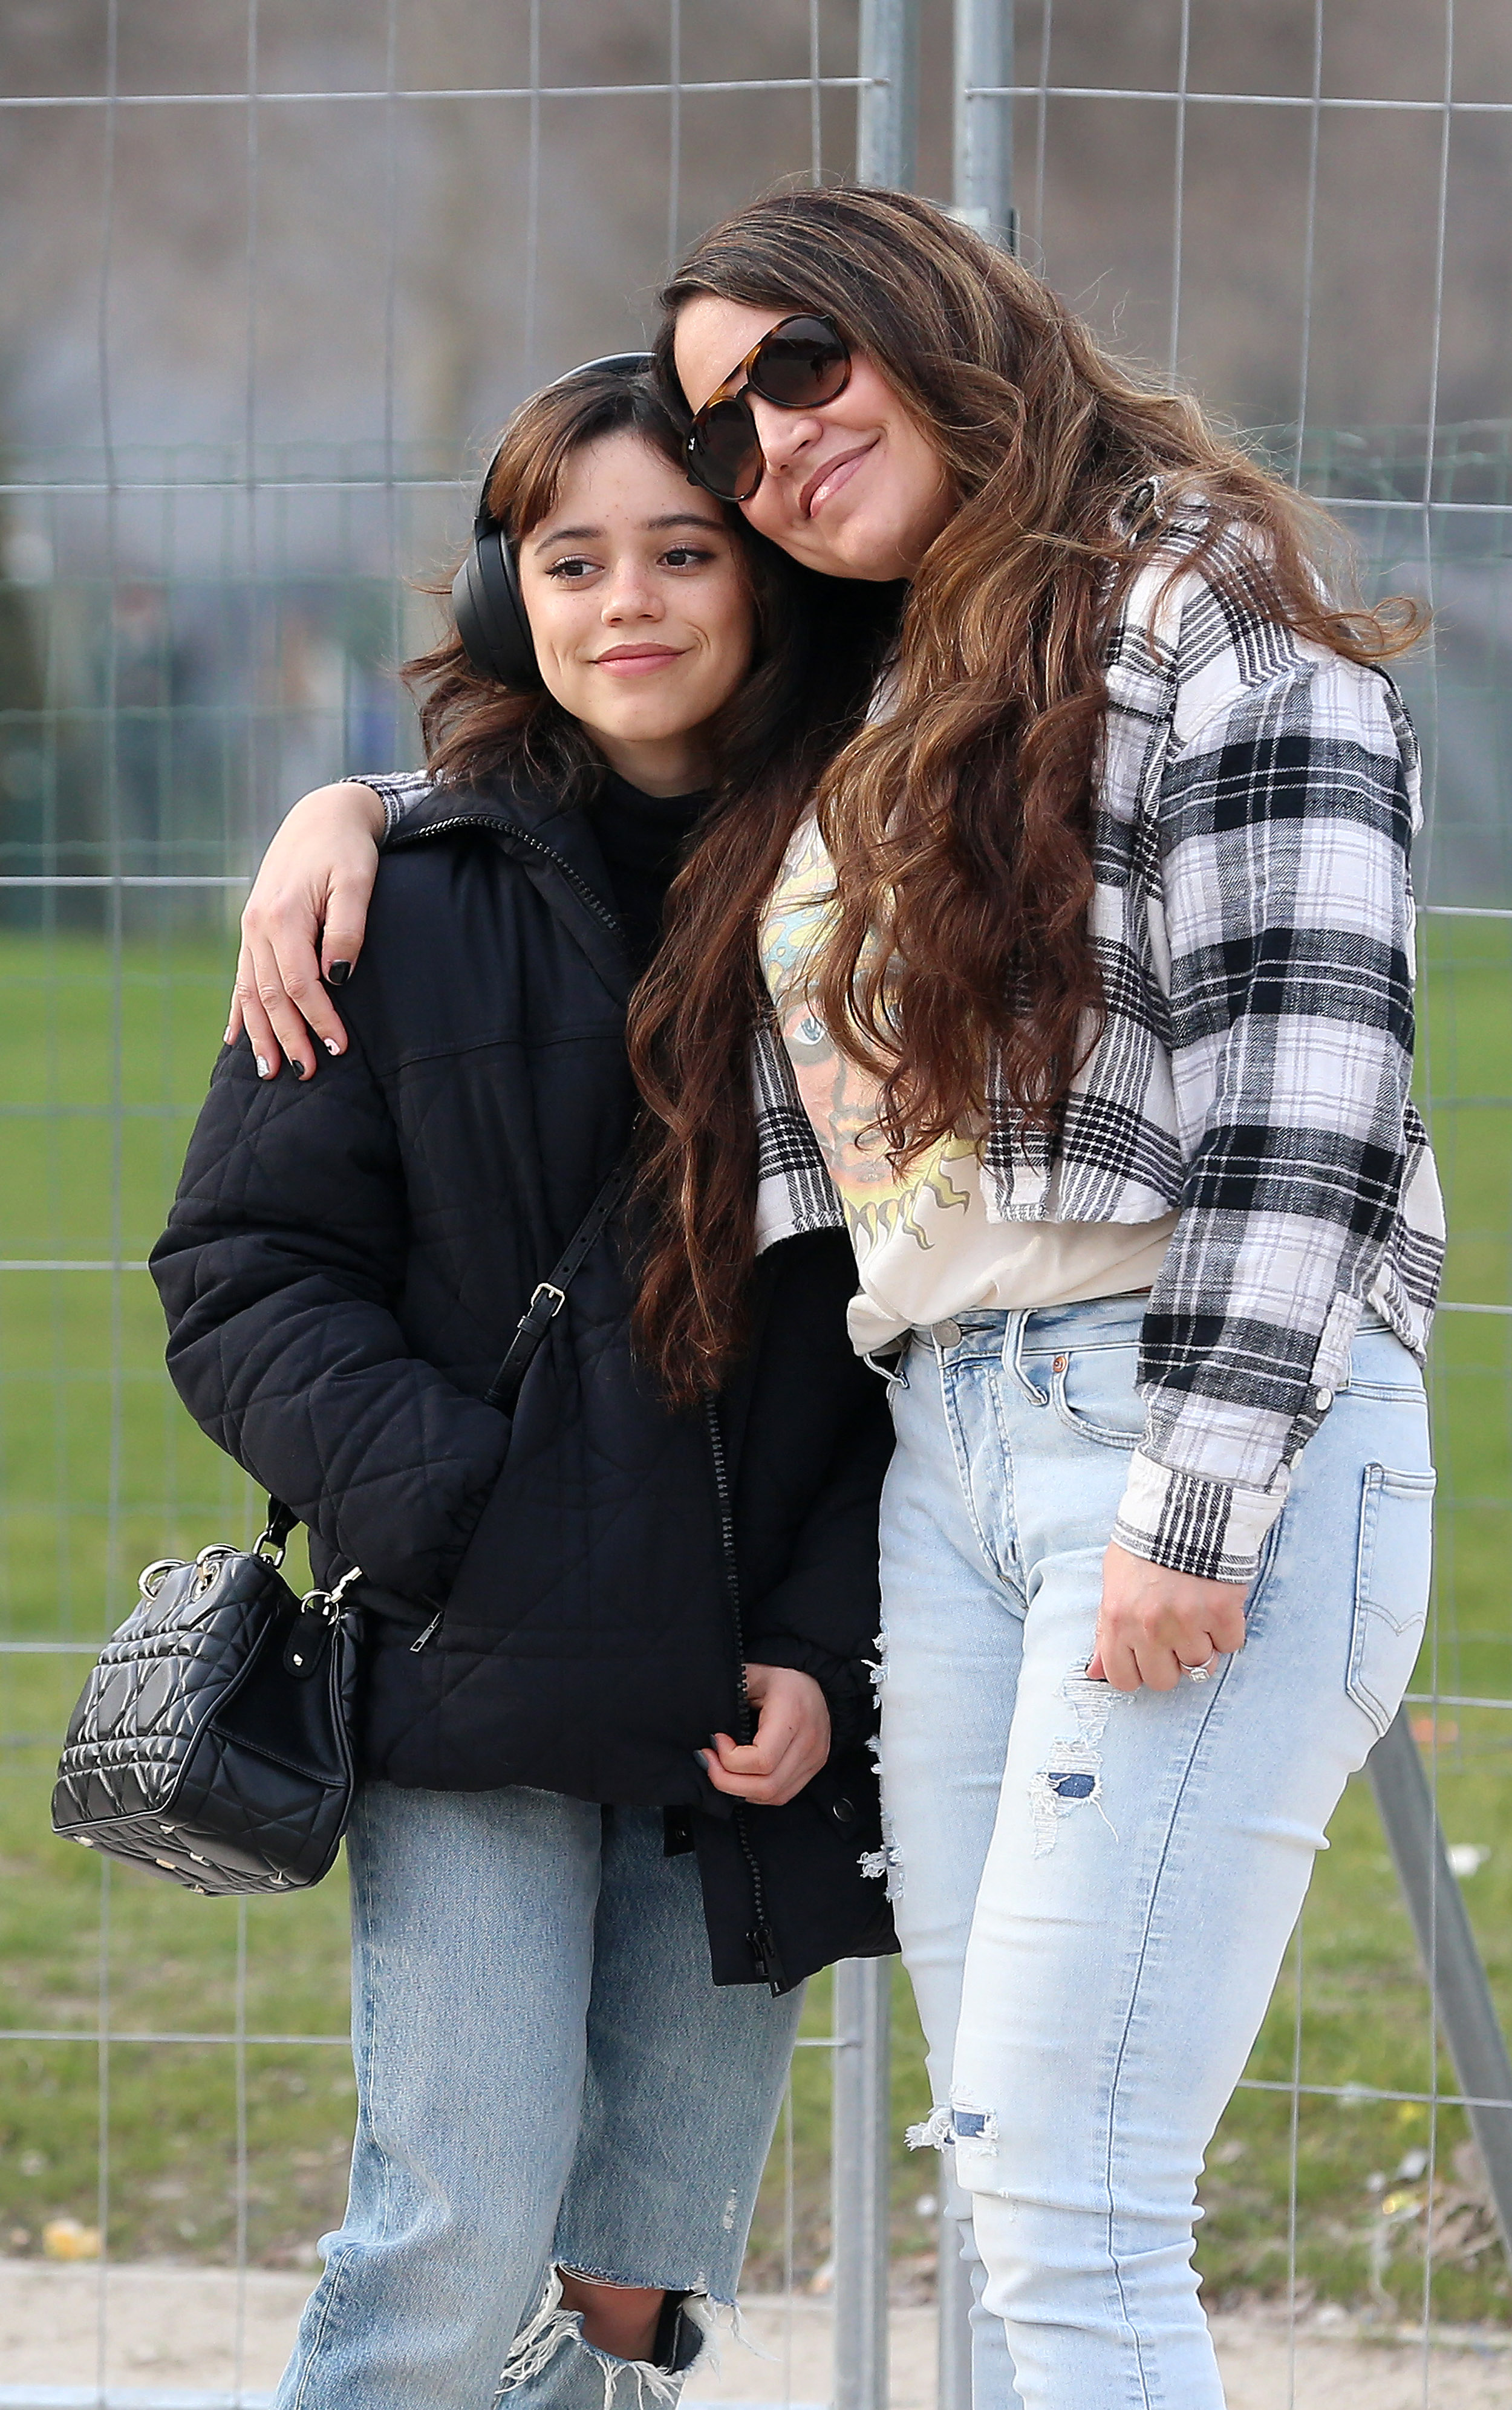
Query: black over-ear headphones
(486, 596)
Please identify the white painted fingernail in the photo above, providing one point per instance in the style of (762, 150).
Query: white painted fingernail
(225, 1039)
(262, 1066)
(332, 1046)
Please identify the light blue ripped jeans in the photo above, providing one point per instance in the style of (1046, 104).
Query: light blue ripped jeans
(1094, 1888)
(547, 2079)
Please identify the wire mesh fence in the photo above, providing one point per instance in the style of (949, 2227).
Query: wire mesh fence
(239, 423)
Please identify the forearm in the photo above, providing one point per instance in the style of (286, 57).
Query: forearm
(1284, 830)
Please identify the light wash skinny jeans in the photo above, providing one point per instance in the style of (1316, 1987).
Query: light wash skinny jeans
(547, 2077)
(1094, 1889)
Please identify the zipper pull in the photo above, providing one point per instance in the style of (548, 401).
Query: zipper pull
(762, 1943)
(428, 1635)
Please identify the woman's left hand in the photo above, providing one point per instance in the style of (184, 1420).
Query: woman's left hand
(791, 1744)
(1155, 1623)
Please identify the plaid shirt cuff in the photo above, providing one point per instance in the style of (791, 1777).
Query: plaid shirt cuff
(1214, 1529)
(399, 796)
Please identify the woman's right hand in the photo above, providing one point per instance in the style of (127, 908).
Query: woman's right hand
(312, 891)
(1154, 1625)
(789, 1744)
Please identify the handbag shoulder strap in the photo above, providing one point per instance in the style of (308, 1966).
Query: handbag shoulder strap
(551, 1295)
(275, 1532)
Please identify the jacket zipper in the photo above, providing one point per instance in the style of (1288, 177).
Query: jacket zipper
(600, 912)
(760, 1941)
(505, 829)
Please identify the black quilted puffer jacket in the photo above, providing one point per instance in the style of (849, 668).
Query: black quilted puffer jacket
(545, 1595)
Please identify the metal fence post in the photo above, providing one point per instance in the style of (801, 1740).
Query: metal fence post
(1461, 1995)
(887, 104)
(860, 2172)
(982, 198)
(984, 120)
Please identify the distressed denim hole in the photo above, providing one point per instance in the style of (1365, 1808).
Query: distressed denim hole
(886, 1864)
(1073, 1772)
(623, 2384)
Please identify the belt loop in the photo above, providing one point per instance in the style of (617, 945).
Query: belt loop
(889, 1366)
(1014, 1334)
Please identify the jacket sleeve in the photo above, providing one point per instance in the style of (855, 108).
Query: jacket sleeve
(279, 1273)
(816, 1442)
(1284, 820)
(821, 1617)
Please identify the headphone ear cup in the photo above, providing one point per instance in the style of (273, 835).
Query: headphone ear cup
(490, 617)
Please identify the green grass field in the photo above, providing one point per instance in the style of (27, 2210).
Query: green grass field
(104, 1060)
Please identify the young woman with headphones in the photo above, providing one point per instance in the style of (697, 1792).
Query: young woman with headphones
(615, 1786)
(1082, 990)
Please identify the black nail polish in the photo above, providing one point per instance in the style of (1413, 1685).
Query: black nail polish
(298, 1068)
(337, 974)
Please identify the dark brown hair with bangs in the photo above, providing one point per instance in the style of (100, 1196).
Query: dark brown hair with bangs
(959, 824)
(818, 644)
(475, 729)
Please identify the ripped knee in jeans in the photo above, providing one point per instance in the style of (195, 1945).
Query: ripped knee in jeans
(684, 2338)
(953, 2124)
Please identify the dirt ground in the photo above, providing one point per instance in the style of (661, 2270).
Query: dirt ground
(171, 2334)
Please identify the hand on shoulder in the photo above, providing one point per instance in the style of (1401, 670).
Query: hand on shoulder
(311, 891)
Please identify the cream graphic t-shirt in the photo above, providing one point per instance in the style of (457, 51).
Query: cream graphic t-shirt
(926, 1245)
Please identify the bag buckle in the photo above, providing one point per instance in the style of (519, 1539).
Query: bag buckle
(152, 1578)
(548, 1289)
(208, 1564)
(272, 1550)
(327, 1603)
(320, 1614)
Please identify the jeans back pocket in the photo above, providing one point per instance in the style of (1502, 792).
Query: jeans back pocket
(1392, 1577)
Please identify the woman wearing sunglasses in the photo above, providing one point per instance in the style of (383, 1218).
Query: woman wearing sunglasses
(615, 1791)
(1090, 974)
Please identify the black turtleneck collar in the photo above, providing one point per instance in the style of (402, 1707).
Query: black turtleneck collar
(642, 840)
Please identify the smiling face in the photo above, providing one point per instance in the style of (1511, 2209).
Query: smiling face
(642, 614)
(852, 488)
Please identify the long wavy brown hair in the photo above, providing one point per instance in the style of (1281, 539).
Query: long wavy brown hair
(960, 823)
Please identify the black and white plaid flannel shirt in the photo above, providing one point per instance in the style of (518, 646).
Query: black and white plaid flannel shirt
(1252, 922)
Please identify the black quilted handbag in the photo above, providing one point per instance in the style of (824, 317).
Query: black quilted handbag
(212, 1742)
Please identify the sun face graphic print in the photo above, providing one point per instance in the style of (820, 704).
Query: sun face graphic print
(839, 1098)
